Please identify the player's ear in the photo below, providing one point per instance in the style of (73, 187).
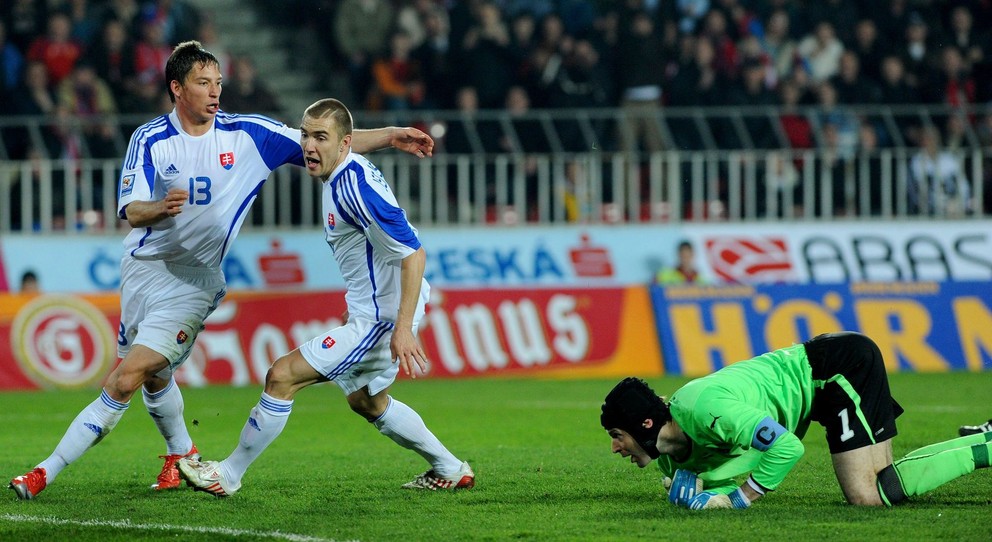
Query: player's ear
(648, 423)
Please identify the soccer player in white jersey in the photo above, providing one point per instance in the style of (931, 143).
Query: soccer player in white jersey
(382, 262)
(187, 182)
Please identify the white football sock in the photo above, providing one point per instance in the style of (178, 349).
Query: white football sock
(266, 421)
(166, 409)
(90, 426)
(402, 424)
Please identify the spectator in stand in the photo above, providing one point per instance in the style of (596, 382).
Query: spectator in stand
(715, 29)
(207, 36)
(778, 44)
(795, 124)
(84, 21)
(35, 98)
(361, 33)
(523, 42)
(410, 18)
(892, 21)
(530, 137)
(852, 87)
(244, 92)
(951, 83)
(956, 132)
(551, 35)
(820, 52)
(869, 179)
(938, 185)
(126, 11)
(487, 57)
(546, 56)
(868, 49)
(577, 81)
(639, 86)
(460, 135)
(782, 180)
(56, 49)
(435, 59)
(831, 162)
(397, 84)
(690, 12)
(842, 15)
(751, 93)
(180, 21)
(973, 45)
(11, 66)
(463, 135)
(84, 96)
(696, 83)
(25, 20)
(150, 55)
(743, 22)
(838, 118)
(112, 56)
(896, 91)
(915, 49)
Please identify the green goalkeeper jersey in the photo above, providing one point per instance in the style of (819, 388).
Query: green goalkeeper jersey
(746, 417)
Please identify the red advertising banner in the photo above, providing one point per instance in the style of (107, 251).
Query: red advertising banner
(566, 333)
(64, 341)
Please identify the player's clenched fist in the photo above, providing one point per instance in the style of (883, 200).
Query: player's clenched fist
(175, 200)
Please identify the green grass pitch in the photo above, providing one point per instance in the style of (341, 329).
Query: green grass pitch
(543, 465)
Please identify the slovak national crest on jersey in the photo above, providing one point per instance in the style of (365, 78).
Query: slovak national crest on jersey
(227, 160)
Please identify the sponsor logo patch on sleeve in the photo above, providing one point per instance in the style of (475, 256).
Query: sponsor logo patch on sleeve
(127, 185)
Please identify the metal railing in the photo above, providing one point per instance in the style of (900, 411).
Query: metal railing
(559, 130)
(77, 196)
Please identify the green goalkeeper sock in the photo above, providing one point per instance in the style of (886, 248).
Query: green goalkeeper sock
(918, 473)
(977, 438)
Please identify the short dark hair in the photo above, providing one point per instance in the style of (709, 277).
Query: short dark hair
(183, 59)
(626, 407)
(337, 111)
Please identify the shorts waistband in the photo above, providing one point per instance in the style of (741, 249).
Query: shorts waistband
(178, 270)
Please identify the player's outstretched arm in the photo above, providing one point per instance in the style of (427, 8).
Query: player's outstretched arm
(404, 346)
(406, 139)
(145, 213)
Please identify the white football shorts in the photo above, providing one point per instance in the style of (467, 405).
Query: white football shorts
(355, 355)
(163, 307)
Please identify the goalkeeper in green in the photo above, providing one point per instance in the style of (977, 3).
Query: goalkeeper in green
(751, 416)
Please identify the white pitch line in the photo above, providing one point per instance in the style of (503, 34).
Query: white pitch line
(125, 524)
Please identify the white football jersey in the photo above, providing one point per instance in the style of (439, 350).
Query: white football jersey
(223, 170)
(369, 235)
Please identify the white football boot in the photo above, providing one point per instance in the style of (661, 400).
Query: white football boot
(206, 476)
(463, 479)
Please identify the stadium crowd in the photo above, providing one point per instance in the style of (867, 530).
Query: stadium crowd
(642, 55)
(823, 68)
(90, 60)
(100, 57)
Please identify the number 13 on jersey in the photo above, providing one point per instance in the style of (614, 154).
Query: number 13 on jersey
(199, 191)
